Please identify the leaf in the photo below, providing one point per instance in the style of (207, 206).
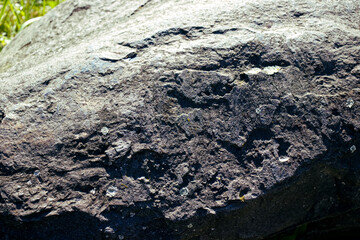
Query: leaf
(15, 15)
(28, 22)
(6, 2)
(18, 19)
(52, 4)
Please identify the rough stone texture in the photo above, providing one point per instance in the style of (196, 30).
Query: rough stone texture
(182, 119)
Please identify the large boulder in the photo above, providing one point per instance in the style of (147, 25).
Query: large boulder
(205, 119)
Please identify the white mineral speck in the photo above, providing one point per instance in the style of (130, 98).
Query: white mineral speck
(104, 131)
(271, 70)
(349, 103)
(284, 159)
(143, 179)
(352, 148)
(211, 211)
(111, 191)
(184, 191)
(36, 173)
(258, 110)
(253, 71)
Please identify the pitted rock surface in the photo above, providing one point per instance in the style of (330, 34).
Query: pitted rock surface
(181, 120)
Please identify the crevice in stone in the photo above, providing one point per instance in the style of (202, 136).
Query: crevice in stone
(232, 148)
(161, 37)
(140, 7)
(2, 115)
(147, 163)
(77, 9)
(283, 147)
(76, 225)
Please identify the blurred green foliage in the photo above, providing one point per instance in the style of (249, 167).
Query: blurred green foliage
(295, 234)
(17, 14)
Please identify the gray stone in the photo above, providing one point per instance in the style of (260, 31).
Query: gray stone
(209, 119)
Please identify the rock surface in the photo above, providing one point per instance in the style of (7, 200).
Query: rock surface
(182, 119)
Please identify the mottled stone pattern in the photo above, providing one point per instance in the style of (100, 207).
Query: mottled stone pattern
(182, 119)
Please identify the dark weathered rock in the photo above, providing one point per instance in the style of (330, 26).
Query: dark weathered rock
(181, 120)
